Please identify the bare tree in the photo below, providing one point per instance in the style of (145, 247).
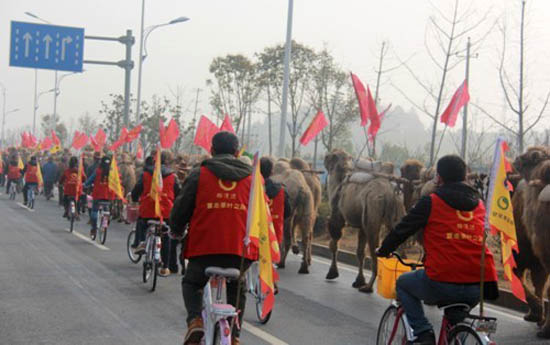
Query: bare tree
(447, 33)
(515, 91)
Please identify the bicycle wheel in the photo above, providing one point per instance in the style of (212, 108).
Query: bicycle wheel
(391, 330)
(154, 273)
(259, 297)
(463, 335)
(148, 261)
(219, 329)
(103, 234)
(71, 228)
(133, 257)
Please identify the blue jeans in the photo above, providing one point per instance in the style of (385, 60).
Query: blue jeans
(415, 287)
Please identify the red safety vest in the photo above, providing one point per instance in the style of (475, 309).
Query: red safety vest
(101, 189)
(70, 182)
(31, 174)
(147, 204)
(218, 224)
(14, 173)
(277, 209)
(452, 241)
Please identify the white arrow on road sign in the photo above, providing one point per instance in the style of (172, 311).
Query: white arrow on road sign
(64, 42)
(27, 37)
(48, 40)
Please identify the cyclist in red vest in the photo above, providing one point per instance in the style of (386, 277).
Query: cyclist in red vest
(69, 181)
(13, 171)
(453, 219)
(214, 204)
(141, 193)
(31, 177)
(101, 191)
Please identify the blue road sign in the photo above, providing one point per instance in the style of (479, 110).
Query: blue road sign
(46, 46)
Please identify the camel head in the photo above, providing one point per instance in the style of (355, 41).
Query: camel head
(526, 163)
(280, 166)
(410, 170)
(338, 160)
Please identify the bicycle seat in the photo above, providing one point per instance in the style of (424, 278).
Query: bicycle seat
(153, 222)
(463, 306)
(230, 273)
(104, 203)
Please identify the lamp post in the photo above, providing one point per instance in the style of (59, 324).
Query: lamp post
(144, 34)
(36, 98)
(286, 79)
(4, 120)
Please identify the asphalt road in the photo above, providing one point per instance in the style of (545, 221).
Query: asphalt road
(59, 288)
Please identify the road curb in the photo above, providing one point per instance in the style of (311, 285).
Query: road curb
(505, 300)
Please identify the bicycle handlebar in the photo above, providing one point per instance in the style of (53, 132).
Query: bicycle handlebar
(414, 266)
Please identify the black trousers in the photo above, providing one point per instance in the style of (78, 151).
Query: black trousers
(169, 249)
(194, 281)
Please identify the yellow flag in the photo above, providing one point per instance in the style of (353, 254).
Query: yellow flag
(156, 185)
(20, 164)
(500, 217)
(261, 233)
(39, 174)
(55, 148)
(114, 180)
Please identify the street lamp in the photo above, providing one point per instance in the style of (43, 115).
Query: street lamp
(143, 48)
(36, 98)
(57, 92)
(286, 79)
(4, 119)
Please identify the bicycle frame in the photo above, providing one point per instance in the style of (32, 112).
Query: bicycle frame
(103, 216)
(216, 312)
(153, 242)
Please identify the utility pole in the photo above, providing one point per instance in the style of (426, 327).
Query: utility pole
(196, 107)
(55, 94)
(286, 79)
(465, 117)
(35, 102)
(3, 115)
(140, 63)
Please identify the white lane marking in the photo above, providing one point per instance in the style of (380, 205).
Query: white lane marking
(263, 335)
(501, 311)
(25, 207)
(85, 238)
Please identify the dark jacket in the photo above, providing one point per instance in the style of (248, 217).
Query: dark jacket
(224, 166)
(138, 188)
(50, 172)
(272, 189)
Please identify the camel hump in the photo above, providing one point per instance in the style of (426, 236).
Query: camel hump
(299, 164)
(361, 177)
(368, 166)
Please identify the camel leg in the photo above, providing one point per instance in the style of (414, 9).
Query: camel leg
(361, 243)
(306, 228)
(295, 248)
(534, 301)
(285, 245)
(335, 224)
(373, 231)
(545, 331)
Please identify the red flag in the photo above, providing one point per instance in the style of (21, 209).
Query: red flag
(205, 131)
(46, 143)
(55, 139)
(32, 140)
(374, 118)
(79, 140)
(169, 136)
(24, 139)
(121, 140)
(460, 98)
(226, 125)
(361, 94)
(317, 124)
(100, 139)
(139, 153)
(133, 134)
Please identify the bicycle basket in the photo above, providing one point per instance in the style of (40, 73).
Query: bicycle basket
(389, 269)
(132, 213)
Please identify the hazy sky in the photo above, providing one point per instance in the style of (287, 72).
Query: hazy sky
(179, 55)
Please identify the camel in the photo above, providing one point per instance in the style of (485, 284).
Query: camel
(312, 179)
(410, 170)
(366, 206)
(534, 167)
(303, 214)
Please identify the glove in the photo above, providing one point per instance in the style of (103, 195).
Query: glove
(382, 253)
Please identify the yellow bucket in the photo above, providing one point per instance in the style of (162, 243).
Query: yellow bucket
(389, 269)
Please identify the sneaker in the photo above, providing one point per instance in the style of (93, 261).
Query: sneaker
(235, 341)
(195, 332)
(164, 272)
(93, 233)
(140, 249)
(424, 338)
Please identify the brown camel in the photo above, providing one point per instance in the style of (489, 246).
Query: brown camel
(366, 206)
(534, 167)
(312, 179)
(410, 170)
(302, 206)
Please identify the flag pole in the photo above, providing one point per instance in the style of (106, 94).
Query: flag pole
(482, 279)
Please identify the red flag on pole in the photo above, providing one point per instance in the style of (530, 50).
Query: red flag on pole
(100, 139)
(374, 118)
(139, 153)
(79, 140)
(227, 125)
(169, 135)
(361, 94)
(205, 131)
(317, 124)
(121, 140)
(46, 143)
(32, 140)
(55, 139)
(460, 98)
(133, 134)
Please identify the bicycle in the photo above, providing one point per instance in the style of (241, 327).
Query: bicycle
(153, 244)
(458, 326)
(31, 196)
(216, 313)
(254, 288)
(13, 190)
(103, 220)
(72, 213)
